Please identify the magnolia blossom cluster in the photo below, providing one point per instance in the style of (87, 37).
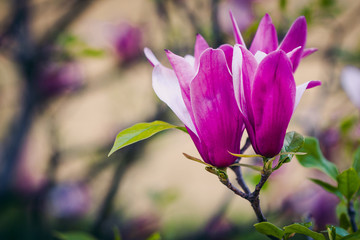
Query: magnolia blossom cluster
(217, 93)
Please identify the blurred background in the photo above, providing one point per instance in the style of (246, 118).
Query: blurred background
(73, 74)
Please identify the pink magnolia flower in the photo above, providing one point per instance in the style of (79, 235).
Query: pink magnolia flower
(264, 84)
(199, 90)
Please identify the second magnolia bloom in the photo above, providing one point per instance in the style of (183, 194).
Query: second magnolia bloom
(267, 96)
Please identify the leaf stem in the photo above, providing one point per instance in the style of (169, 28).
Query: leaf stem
(352, 213)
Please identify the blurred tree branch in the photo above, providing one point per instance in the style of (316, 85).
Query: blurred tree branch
(29, 57)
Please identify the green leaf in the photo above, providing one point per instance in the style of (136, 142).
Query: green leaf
(348, 183)
(341, 232)
(344, 221)
(92, 52)
(154, 236)
(74, 236)
(353, 236)
(245, 155)
(268, 228)
(140, 131)
(300, 229)
(315, 159)
(195, 159)
(356, 162)
(347, 124)
(328, 187)
(292, 143)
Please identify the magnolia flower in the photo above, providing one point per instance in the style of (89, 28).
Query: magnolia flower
(199, 90)
(264, 84)
(350, 81)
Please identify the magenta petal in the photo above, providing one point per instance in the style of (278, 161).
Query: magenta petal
(237, 34)
(296, 36)
(228, 51)
(200, 46)
(295, 56)
(308, 51)
(216, 115)
(185, 73)
(244, 67)
(198, 145)
(273, 99)
(301, 89)
(265, 39)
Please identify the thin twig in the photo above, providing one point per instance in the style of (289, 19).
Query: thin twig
(238, 192)
(240, 179)
(237, 169)
(252, 197)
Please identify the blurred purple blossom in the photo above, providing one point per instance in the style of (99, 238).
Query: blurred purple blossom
(127, 41)
(329, 139)
(68, 200)
(316, 204)
(323, 209)
(350, 81)
(58, 78)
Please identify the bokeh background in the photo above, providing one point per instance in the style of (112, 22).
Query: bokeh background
(73, 74)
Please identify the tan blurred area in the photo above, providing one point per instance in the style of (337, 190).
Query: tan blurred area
(117, 95)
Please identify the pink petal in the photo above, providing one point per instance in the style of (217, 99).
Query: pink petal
(167, 88)
(295, 56)
(273, 99)
(301, 89)
(151, 57)
(190, 59)
(259, 56)
(200, 46)
(185, 73)
(238, 38)
(228, 51)
(217, 118)
(296, 36)
(244, 67)
(308, 51)
(265, 39)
